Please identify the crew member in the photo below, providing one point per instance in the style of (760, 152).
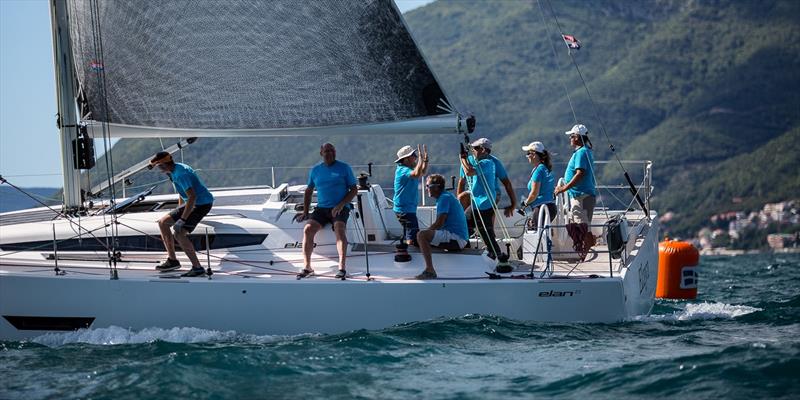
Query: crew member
(579, 176)
(194, 202)
(336, 188)
(500, 174)
(480, 172)
(448, 231)
(541, 184)
(410, 167)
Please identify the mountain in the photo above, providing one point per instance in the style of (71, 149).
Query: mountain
(696, 86)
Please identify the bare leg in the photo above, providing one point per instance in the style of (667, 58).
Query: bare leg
(464, 198)
(341, 243)
(309, 231)
(188, 248)
(164, 225)
(424, 239)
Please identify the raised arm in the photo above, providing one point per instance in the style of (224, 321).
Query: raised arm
(422, 165)
(469, 170)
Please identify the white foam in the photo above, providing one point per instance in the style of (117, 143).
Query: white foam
(701, 311)
(116, 335)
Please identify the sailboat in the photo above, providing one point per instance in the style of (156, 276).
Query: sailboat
(282, 68)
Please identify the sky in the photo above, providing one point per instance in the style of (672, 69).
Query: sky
(29, 144)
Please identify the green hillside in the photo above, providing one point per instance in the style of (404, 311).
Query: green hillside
(697, 87)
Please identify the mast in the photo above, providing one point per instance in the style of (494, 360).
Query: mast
(65, 96)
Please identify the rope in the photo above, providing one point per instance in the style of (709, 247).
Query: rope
(496, 210)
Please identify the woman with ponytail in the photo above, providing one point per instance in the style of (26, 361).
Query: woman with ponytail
(541, 184)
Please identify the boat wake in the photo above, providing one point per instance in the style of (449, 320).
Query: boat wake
(115, 335)
(702, 311)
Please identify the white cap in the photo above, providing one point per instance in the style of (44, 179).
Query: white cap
(535, 146)
(404, 152)
(579, 129)
(482, 142)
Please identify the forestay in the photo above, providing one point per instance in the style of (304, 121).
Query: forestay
(244, 68)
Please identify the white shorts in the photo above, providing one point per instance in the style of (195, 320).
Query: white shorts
(443, 236)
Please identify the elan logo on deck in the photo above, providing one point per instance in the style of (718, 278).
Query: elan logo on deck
(555, 293)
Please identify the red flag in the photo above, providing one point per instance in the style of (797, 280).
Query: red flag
(572, 42)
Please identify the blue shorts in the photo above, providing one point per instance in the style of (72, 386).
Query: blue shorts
(409, 220)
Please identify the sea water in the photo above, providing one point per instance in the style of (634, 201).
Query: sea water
(739, 339)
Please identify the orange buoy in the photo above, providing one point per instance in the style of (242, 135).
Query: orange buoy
(677, 270)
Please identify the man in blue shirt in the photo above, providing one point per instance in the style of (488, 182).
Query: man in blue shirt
(579, 175)
(194, 202)
(336, 188)
(406, 188)
(501, 178)
(449, 231)
(480, 173)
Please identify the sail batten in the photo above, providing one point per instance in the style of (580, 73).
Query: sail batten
(244, 66)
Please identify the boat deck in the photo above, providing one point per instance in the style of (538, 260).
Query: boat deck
(283, 264)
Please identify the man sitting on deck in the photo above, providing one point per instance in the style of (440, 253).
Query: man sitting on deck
(194, 203)
(336, 188)
(449, 231)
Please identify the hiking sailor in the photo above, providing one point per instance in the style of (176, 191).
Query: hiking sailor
(501, 175)
(541, 184)
(579, 176)
(336, 188)
(479, 170)
(448, 231)
(194, 202)
(411, 165)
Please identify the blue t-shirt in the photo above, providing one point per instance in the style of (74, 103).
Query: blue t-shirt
(183, 177)
(547, 185)
(406, 190)
(499, 172)
(581, 159)
(481, 195)
(332, 182)
(456, 221)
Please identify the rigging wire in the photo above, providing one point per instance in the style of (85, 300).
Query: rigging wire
(599, 120)
(555, 59)
(97, 39)
(58, 214)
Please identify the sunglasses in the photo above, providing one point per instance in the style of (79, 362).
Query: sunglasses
(431, 185)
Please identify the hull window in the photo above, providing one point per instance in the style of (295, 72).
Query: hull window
(139, 243)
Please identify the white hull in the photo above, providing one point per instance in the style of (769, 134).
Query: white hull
(252, 300)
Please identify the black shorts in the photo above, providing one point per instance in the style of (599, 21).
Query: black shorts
(194, 217)
(325, 215)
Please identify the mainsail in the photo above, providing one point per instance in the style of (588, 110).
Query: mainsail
(247, 68)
